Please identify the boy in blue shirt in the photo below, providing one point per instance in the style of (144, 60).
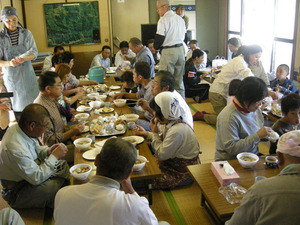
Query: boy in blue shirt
(282, 84)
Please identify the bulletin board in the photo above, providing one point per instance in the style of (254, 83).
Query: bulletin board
(72, 23)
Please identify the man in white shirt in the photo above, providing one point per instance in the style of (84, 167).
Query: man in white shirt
(169, 37)
(109, 197)
(124, 55)
(48, 60)
(102, 59)
(31, 174)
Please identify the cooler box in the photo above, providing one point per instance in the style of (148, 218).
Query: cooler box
(96, 73)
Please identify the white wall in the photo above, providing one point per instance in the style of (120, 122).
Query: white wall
(127, 18)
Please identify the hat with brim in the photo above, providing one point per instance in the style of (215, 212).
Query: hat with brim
(8, 11)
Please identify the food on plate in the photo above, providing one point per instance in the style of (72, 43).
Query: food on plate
(119, 127)
(83, 142)
(247, 159)
(107, 109)
(80, 170)
(119, 121)
(96, 128)
(138, 161)
(276, 110)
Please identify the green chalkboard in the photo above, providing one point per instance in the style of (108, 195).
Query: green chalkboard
(72, 23)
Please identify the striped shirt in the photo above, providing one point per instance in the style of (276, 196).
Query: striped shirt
(14, 37)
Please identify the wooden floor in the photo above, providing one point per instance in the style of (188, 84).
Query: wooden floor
(179, 206)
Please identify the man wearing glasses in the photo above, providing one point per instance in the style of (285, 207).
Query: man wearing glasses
(31, 174)
(169, 37)
(50, 90)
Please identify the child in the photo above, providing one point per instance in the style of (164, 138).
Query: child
(290, 108)
(282, 84)
(128, 84)
(232, 89)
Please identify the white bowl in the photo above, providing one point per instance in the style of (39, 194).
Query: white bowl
(87, 109)
(93, 95)
(95, 104)
(81, 117)
(131, 117)
(140, 166)
(247, 164)
(101, 97)
(120, 102)
(80, 108)
(83, 143)
(80, 176)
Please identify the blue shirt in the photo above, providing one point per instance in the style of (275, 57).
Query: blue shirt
(287, 86)
(145, 55)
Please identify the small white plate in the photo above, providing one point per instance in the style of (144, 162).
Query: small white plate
(109, 110)
(138, 139)
(115, 87)
(89, 155)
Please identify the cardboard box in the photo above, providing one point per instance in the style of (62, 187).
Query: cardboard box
(222, 177)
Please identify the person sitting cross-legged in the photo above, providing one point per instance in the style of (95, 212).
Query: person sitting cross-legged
(108, 198)
(31, 174)
(176, 147)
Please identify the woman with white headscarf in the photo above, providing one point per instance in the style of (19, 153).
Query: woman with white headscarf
(174, 142)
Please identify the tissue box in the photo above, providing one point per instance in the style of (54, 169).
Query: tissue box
(221, 176)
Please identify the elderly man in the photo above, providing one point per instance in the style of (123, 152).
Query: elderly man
(169, 37)
(143, 54)
(50, 91)
(31, 174)
(123, 55)
(164, 81)
(102, 59)
(109, 197)
(275, 200)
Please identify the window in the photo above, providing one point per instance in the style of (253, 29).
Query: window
(268, 23)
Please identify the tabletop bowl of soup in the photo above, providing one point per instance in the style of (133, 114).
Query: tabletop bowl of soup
(131, 117)
(82, 117)
(120, 102)
(247, 159)
(93, 95)
(101, 97)
(83, 143)
(81, 171)
(95, 104)
(139, 164)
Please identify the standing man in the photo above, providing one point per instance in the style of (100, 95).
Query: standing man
(143, 54)
(169, 37)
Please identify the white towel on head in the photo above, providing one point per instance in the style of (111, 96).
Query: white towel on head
(289, 143)
(169, 104)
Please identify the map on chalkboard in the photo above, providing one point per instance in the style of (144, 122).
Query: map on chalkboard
(72, 23)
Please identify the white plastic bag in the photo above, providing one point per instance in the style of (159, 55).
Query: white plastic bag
(219, 62)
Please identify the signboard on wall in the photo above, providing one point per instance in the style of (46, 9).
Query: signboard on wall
(72, 23)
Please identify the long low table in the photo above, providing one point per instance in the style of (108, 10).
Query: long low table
(213, 201)
(144, 177)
